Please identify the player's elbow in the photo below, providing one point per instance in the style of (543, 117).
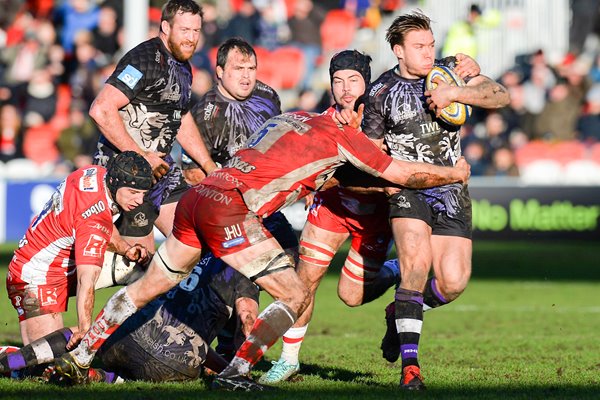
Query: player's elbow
(96, 112)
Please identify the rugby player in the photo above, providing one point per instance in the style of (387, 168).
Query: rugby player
(168, 339)
(431, 227)
(289, 157)
(62, 252)
(143, 107)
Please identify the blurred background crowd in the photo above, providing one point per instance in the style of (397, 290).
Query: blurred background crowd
(55, 56)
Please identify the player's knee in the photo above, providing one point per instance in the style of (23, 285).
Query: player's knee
(163, 262)
(350, 291)
(271, 261)
(452, 287)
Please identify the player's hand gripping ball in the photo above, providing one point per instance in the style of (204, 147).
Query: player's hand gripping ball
(456, 113)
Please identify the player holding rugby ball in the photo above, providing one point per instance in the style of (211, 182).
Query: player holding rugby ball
(431, 227)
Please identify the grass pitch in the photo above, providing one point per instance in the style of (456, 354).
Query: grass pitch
(526, 328)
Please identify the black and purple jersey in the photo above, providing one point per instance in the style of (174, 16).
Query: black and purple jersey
(395, 110)
(226, 124)
(176, 328)
(159, 90)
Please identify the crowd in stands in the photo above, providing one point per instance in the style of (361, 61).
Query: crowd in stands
(55, 55)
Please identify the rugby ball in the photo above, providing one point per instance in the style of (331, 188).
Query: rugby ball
(456, 113)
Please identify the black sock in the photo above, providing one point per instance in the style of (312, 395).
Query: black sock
(409, 320)
(42, 350)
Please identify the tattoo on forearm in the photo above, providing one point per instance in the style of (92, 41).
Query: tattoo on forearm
(421, 180)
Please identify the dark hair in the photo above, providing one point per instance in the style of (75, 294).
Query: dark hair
(128, 169)
(233, 43)
(403, 24)
(354, 60)
(184, 6)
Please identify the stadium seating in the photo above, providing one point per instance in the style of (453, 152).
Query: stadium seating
(337, 30)
(290, 65)
(39, 142)
(541, 172)
(595, 152)
(23, 168)
(532, 151)
(566, 151)
(581, 172)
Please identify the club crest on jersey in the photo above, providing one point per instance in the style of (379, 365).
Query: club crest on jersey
(89, 181)
(402, 202)
(140, 220)
(130, 76)
(48, 297)
(94, 246)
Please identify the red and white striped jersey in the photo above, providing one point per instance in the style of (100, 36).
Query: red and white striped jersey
(73, 228)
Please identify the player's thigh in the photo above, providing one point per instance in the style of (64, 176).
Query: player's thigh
(164, 222)
(171, 263)
(412, 240)
(452, 262)
(37, 327)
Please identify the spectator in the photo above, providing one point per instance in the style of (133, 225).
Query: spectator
(75, 16)
(273, 29)
(503, 163)
(588, 125)
(493, 131)
(558, 119)
(516, 115)
(461, 35)
(211, 31)
(475, 153)
(40, 99)
(245, 23)
(106, 34)
(83, 76)
(22, 61)
(77, 142)
(305, 29)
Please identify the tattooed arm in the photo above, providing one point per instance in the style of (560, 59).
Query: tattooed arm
(419, 175)
(480, 91)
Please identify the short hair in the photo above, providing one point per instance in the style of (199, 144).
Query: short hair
(184, 6)
(233, 43)
(403, 24)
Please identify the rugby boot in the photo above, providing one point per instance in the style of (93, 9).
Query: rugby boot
(279, 372)
(411, 378)
(390, 344)
(66, 366)
(238, 383)
(96, 375)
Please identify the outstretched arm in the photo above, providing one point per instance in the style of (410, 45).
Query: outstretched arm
(87, 275)
(419, 175)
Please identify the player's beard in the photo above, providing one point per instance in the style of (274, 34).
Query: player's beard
(178, 53)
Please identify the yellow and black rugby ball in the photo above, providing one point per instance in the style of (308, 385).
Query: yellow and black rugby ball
(456, 113)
